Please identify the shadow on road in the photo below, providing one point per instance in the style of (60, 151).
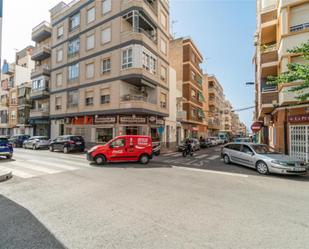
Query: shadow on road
(19, 229)
(4, 160)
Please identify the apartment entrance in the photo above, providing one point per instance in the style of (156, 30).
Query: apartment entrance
(299, 141)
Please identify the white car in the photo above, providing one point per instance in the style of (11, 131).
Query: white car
(214, 141)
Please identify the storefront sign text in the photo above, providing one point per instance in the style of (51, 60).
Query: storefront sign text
(299, 118)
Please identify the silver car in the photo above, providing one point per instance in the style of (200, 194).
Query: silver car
(263, 158)
(37, 142)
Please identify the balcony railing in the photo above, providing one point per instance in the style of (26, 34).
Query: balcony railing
(181, 115)
(39, 112)
(41, 52)
(268, 48)
(41, 70)
(133, 97)
(299, 27)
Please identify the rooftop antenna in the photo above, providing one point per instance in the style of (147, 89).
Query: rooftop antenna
(172, 28)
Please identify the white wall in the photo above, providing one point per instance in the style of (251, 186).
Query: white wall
(22, 75)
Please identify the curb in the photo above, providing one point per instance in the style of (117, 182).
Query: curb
(5, 175)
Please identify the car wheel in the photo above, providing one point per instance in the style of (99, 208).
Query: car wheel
(65, 150)
(100, 160)
(8, 156)
(144, 159)
(34, 147)
(51, 148)
(262, 168)
(226, 159)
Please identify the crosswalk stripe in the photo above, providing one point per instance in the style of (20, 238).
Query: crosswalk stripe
(213, 157)
(170, 154)
(31, 166)
(19, 173)
(201, 156)
(65, 167)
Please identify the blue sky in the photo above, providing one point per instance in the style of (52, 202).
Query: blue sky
(223, 31)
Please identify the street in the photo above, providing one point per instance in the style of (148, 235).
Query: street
(57, 200)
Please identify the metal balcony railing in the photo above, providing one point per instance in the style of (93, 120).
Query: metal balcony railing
(299, 27)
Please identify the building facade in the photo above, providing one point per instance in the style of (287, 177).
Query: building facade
(109, 69)
(281, 25)
(185, 58)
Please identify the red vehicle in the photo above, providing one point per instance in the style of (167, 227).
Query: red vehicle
(123, 149)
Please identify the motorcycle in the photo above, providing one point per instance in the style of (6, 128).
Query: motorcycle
(187, 151)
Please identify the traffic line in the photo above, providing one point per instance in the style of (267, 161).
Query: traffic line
(201, 156)
(31, 166)
(211, 171)
(213, 157)
(170, 154)
(19, 173)
(56, 165)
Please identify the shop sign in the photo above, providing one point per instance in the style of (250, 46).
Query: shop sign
(299, 118)
(194, 129)
(152, 119)
(160, 122)
(78, 121)
(256, 126)
(132, 120)
(105, 120)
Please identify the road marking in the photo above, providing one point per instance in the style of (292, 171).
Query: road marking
(213, 157)
(201, 156)
(177, 155)
(170, 154)
(211, 171)
(29, 165)
(19, 173)
(56, 165)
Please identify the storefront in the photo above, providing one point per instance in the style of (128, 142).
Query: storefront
(40, 127)
(102, 128)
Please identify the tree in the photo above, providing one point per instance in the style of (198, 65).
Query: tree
(296, 72)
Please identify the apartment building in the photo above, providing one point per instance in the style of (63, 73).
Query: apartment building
(226, 126)
(15, 93)
(281, 25)
(216, 106)
(206, 103)
(185, 58)
(40, 78)
(109, 68)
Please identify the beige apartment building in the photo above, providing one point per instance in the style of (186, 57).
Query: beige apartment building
(185, 58)
(109, 68)
(216, 102)
(281, 25)
(227, 118)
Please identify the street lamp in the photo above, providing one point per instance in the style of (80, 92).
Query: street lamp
(250, 83)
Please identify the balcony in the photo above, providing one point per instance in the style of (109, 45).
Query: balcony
(39, 93)
(299, 27)
(41, 53)
(136, 102)
(286, 96)
(139, 22)
(40, 112)
(132, 97)
(23, 102)
(40, 70)
(269, 16)
(152, 5)
(181, 116)
(214, 124)
(8, 68)
(41, 32)
(269, 100)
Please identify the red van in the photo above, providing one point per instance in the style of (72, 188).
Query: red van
(123, 149)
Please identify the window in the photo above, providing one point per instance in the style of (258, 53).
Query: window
(193, 75)
(246, 149)
(90, 15)
(163, 20)
(90, 70)
(73, 98)
(104, 135)
(60, 32)
(73, 71)
(163, 46)
(149, 62)
(235, 147)
(90, 42)
(163, 100)
(193, 94)
(59, 79)
(127, 58)
(105, 96)
(73, 47)
(193, 57)
(79, 131)
(58, 103)
(163, 73)
(106, 65)
(194, 113)
(74, 22)
(106, 35)
(89, 98)
(59, 55)
(106, 6)
(121, 142)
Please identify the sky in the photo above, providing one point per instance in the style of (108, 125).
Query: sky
(223, 31)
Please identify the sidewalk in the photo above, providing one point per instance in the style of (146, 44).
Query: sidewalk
(5, 175)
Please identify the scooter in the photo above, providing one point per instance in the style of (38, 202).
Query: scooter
(186, 151)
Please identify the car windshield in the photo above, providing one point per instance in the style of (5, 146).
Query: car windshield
(264, 149)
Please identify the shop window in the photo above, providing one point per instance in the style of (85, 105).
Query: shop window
(103, 135)
(131, 130)
(155, 135)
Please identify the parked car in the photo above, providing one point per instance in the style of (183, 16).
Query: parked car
(242, 140)
(67, 143)
(6, 148)
(37, 142)
(18, 140)
(123, 149)
(205, 143)
(220, 141)
(214, 141)
(195, 144)
(263, 158)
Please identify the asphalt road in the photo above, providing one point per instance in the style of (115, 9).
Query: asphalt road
(60, 201)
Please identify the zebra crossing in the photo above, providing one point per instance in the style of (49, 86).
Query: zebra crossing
(29, 164)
